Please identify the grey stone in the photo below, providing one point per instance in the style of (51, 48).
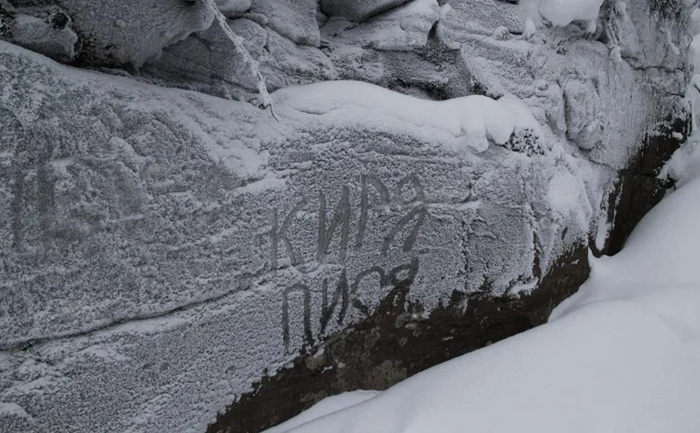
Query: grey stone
(294, 19)
(284, 63)
(52, 37)
(402, 29)
(116, 33)
(233, 8)
(484, 17)
(213, 61)
(585, 124)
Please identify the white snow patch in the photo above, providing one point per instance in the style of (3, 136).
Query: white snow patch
(530, 28)
(567, 197)
(521, 289)
(476, 119)
(602, 231)
(564, 12)
(684, 165)
(13, 409)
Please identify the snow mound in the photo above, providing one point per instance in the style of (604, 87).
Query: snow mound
(325, 407)
(478, 119)
(564, 12)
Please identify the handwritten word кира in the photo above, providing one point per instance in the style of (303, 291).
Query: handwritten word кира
(373, 193)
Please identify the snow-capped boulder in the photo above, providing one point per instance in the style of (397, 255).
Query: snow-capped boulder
(564, 12)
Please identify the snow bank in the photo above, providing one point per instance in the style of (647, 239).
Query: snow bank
(606, 367)
(477, 119)
(564, 12)
(325, 407)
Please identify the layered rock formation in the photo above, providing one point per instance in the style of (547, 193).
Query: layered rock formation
(167, 255)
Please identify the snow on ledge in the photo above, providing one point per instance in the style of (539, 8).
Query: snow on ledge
(564, 12)
(476, 120)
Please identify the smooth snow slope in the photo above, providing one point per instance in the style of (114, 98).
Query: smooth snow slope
(608, 367)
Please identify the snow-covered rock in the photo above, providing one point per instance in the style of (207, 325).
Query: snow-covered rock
(163, 250)
(485, 16)
(609, 366)
(294, 19)
(116, 33)
(403, 28)
(51, 35)
(155, 211)
(233, 8)
(214, 61)
(564, 12)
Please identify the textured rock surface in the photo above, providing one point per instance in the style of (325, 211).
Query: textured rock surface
(51, 36)
(215, 59)
(294, 19)
(403, 28)
(113, 32)
(397, 342)
(164, 252)
(232, 8)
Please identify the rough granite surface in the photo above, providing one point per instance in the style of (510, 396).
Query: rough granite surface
(165, 245)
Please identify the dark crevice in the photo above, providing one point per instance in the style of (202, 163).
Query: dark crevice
(386, 9)
(7, 18)
(29, 343)
(638, 188)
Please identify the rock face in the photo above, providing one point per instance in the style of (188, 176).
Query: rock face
(111, 32)
(167, 255)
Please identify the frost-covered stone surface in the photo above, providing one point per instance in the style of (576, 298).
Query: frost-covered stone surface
(113, 32)
(162, 249)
